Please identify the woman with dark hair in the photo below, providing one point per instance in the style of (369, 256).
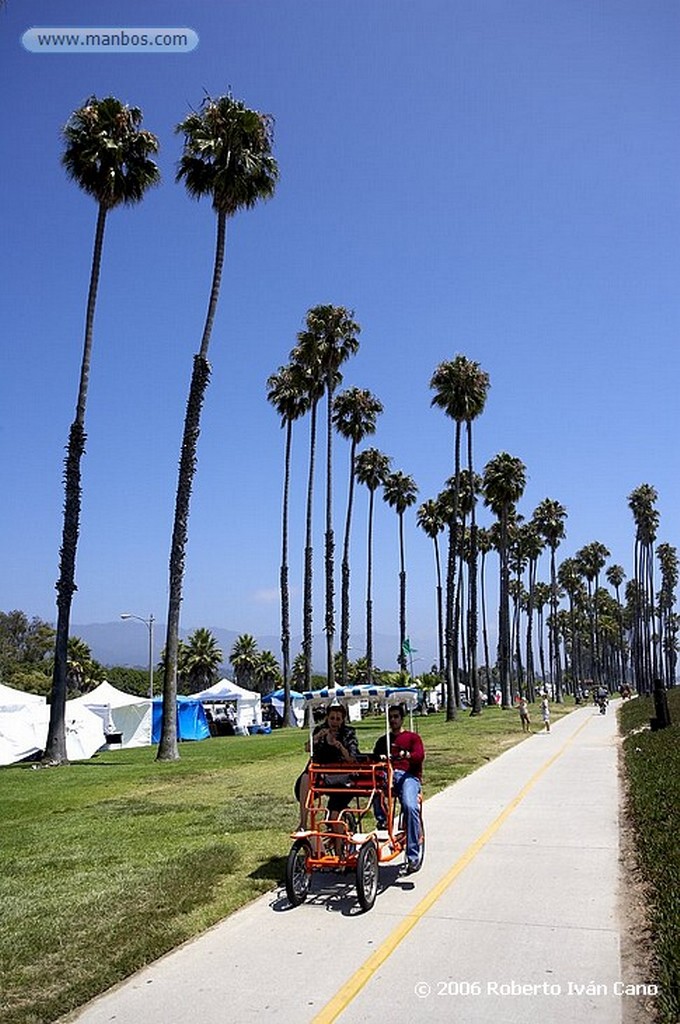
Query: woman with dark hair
(333, 742)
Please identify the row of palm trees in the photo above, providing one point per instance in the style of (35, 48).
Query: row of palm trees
(226, 157)
(589, 642)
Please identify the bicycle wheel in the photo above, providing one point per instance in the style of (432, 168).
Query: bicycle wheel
(367, 875)
(421, 848)
(298, 875)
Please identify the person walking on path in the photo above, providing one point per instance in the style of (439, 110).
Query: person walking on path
(545, 713)
(524, 714)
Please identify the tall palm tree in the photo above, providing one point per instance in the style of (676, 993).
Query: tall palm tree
(430, 519)
(329, 340)
(615, 576)
(355, 413)
(108, 155)
(549, 518)
(533, 544)
(668, 563)
(244, 659)
(591, 559)
(313, 389)
(641, 502)
(569, 579)
(227, 157)
(286, 392)
(400, 492)
(203, 656)
(460, 387)
(372, 468)
(503, 486)
(485, 546)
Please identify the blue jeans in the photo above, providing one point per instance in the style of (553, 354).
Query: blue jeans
(407, 788)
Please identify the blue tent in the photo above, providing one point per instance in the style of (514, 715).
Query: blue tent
(191, 721)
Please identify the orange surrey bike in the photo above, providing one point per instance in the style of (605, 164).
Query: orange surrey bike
(350, 842)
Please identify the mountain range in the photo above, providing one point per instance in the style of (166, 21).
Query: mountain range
(127, 643)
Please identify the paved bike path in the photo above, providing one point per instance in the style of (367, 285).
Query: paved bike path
(513, 917)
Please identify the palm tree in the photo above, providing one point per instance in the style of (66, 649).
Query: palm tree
(328, 341)
(590, 560)
(485, 545)
(503, 486)
(267, 674)
(372, 468)
(286, 392)
(461, 387)
(668, 563)
(244, 660)
(569, 579)
(400, 492)
(430, 519)
(202, 659)
(226, 156)
(641, 502)
(107, 154)
(549, 518)
(313, 387)
(355, 412)
(532, 543)
(615, 576)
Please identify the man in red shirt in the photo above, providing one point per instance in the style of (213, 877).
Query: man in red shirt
(407, 754)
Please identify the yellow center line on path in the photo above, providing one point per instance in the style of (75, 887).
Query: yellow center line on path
(350, 990)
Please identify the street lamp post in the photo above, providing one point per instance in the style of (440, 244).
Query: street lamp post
(149, 625)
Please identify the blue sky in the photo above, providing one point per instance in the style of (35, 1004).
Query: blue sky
(498, 179)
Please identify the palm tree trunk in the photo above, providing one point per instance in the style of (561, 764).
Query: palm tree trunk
(285, 596)
(440, 609)
(403, 664)
(168, 749)
(451, 638)
(344, 599)
(307, 613)
(369, 592)
(55, 747)
(485, 632)
(330, 543)
(504, 614)
(473, 628)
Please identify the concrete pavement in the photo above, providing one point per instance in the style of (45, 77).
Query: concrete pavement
(512, 919)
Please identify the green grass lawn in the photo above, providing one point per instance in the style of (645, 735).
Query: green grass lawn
(109, 863)
(652, 766)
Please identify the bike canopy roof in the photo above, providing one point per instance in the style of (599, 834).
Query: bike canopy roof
(409, 696)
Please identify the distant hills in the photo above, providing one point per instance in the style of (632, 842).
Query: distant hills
(126, 643)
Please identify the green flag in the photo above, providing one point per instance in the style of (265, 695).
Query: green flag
(406, 647)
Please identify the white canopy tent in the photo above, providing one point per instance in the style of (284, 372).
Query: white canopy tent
(23, 732)
(248, 708)
(122, 714)
(11, 698)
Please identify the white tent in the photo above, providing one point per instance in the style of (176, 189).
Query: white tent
(23, 732)
(248, 703)
(121, 713)
(11, 698)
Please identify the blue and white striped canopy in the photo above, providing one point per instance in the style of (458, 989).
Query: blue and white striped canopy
(408, 695)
